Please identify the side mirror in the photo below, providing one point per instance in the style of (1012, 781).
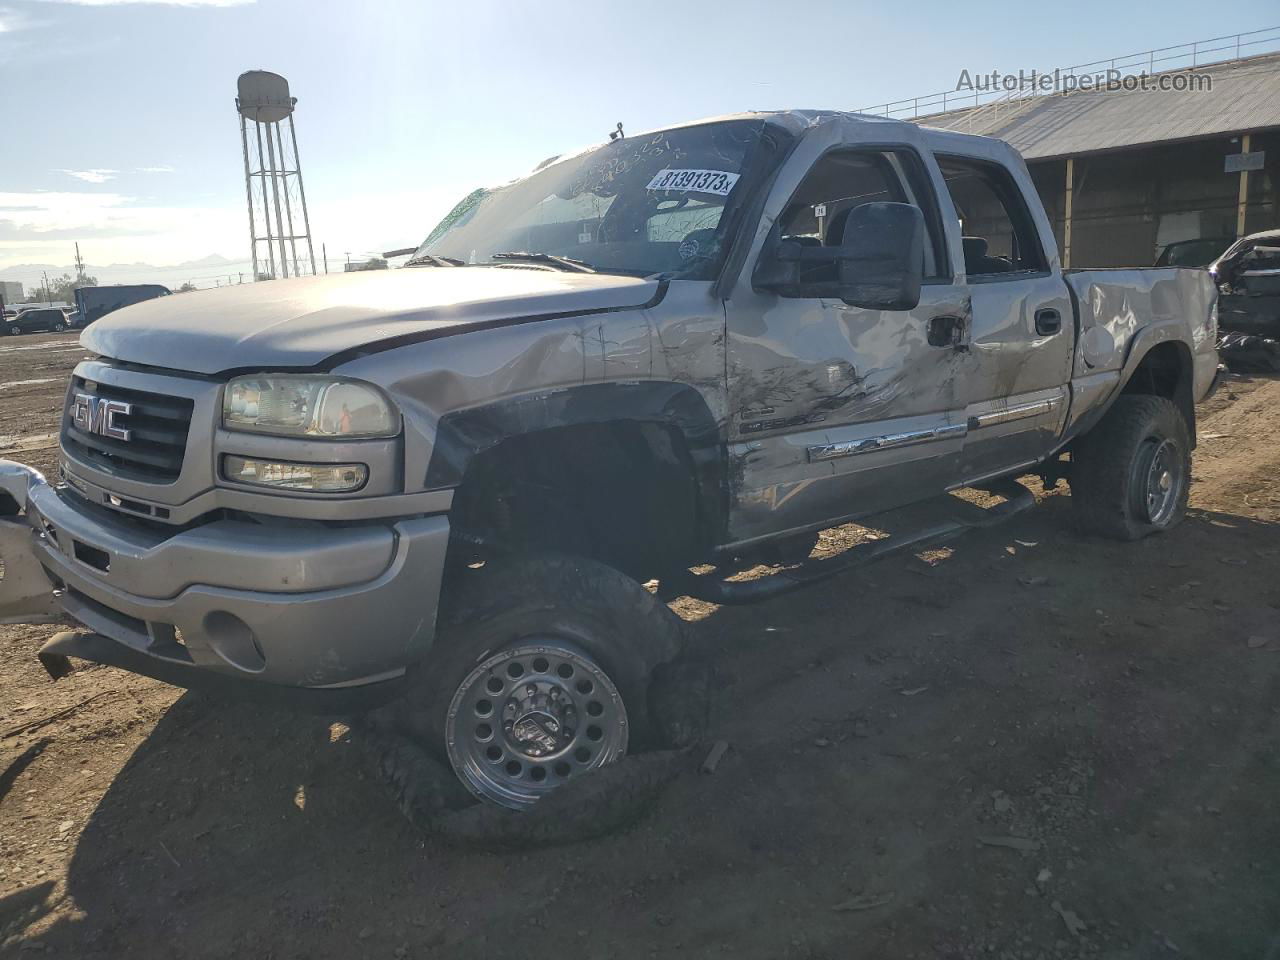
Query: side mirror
(878, 264)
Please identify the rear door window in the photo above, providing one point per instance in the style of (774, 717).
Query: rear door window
(998, 235)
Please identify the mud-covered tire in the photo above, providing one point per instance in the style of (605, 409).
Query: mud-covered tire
(1116, 469)
(591, 607)
(433, 799)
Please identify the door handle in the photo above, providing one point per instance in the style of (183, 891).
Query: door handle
(1048, 321)
(947, 332)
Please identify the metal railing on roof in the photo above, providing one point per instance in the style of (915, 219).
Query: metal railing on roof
(1181, 56)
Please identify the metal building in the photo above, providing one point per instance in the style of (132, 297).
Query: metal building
(278, 219)
(1126, 172)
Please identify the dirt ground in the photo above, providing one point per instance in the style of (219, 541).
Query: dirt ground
(1031, 744)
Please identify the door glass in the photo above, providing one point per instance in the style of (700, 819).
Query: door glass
(996, 228)
(845, 179)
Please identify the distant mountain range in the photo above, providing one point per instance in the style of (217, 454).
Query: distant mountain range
(204, 272)
(209, 271)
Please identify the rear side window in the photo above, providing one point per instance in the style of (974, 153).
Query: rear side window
(1263, 258)
(998, 234)
(845, 179)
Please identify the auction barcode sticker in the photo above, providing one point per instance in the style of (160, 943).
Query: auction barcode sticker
(717, 182)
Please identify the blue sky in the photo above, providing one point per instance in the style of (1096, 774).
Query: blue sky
(121, 130)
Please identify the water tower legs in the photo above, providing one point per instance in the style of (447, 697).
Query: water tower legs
(265, 102)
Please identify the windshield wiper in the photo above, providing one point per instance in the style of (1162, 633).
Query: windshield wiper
(430, 260)
(550, 259)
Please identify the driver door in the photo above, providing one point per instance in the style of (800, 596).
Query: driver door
(838, 411)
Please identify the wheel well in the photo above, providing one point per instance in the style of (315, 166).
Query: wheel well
(1166, 371)
(624, 493)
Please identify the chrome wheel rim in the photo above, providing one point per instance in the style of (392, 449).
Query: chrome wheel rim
(1159, 480)
(531, 718)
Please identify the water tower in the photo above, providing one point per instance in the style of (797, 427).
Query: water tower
(272, 176)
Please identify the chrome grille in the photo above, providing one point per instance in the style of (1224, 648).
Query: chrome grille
(157, 426)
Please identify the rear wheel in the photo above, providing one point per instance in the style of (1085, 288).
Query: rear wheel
(59, 327)
(1131, 474)
(540, 674)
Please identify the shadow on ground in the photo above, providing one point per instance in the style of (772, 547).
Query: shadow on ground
(1097, 701)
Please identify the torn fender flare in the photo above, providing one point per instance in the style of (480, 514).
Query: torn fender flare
(1218, 377)
(26, 593)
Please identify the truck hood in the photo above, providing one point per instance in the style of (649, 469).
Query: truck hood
(284, 324)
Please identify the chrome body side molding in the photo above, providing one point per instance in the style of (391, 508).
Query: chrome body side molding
(1021, 411)
(850, 448)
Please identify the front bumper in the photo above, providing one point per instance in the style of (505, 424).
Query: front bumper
(311, 612)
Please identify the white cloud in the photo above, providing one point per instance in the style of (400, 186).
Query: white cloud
(118, 228)
(96, 175)
(166, 3)
(163, 168)
(11, 21)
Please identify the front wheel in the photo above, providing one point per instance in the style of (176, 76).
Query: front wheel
(540, 674)
(1131, 474)
(59, 327)
(14, 331)
(531, 717)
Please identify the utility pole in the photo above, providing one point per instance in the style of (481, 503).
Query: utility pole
(325, 253)
(48, 301)
(79, 264)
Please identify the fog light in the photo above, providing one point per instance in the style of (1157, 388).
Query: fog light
(283, 475)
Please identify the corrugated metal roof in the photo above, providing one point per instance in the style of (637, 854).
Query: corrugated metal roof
(1245, 96)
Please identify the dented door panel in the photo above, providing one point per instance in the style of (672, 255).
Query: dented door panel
(1015, 403)
(855, 403)
(837, 411)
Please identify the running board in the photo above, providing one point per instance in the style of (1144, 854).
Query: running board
(707, 587)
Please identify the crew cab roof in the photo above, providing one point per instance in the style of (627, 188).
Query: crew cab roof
(798, 121)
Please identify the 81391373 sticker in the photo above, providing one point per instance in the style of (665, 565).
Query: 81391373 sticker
(715, 182)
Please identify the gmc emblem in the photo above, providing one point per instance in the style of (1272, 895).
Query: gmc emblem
(96, 415)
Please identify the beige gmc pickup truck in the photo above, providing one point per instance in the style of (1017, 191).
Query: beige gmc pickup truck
(448, 486)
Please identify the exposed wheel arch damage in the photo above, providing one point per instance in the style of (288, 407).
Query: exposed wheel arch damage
(1164, 368)
(1167, 370)
(631, 474)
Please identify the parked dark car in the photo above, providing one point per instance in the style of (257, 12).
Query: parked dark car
(1193, 253)
(93, 303)
(1248, 278)
(38, 320)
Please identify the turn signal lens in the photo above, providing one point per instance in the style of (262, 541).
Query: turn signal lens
(283, 475)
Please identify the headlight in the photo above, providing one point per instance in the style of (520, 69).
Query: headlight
(307, 406)
(283, 475)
